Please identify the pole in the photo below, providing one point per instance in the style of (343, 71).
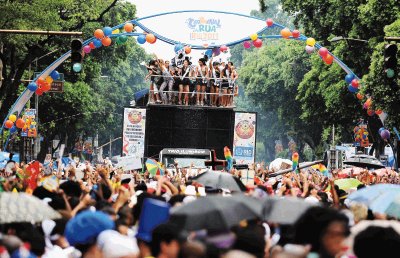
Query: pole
(42, 32)
(37, 139)
(333, 136)
(109, 153)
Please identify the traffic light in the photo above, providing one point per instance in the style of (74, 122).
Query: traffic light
(76, 55)
(390, 60)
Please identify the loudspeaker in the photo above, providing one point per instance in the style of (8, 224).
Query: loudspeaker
(188, 127)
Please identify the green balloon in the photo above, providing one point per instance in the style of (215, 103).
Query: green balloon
(122, 39)
(77, 67)
(390, 73)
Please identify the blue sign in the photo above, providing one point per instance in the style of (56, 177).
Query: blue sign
(246, 152)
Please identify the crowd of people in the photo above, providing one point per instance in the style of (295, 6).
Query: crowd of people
(102, 211)
(209, 83)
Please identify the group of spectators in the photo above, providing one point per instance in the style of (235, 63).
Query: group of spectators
(209, 83)
(102, 211)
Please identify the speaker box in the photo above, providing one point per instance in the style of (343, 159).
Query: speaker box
(188, 127)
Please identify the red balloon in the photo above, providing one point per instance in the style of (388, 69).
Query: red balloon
(39, 92)
(328, 59)
(223, 48)
(296, 34)
(378, 111)
(257, 43)
(91, 45)
(360, 96)
(40, 81)
(8, 124)
(45, 87)
(323, 51)
(270, 22)
(355, 83)
(370, 112)
(20, 123)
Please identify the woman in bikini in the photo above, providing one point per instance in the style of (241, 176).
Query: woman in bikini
(201, 82)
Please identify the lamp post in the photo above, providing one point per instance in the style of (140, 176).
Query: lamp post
(339, 38)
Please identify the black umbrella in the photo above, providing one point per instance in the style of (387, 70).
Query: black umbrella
(220, 180)
(284, 210)
(216, 212)
(364, 161)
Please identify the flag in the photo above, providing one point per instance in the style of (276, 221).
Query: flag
(295, 161)
(228, 158)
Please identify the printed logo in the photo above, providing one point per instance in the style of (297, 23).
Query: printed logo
(204, 29)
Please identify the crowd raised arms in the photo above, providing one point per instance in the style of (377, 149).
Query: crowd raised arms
(207, 83)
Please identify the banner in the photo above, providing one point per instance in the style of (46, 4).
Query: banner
(133, 132)
(29, 129)
(244, 139)
(129, 163)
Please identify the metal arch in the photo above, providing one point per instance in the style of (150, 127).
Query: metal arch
(27, 94)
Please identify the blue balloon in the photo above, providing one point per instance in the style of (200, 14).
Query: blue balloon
(55, 75)
(178, 47)
(107, 31)
(97, 43)
(77, 67)
(352, 89)
(209, 52)
(349, 78)
(32, 86)
(381, 129)
(141, 39)
(13, 129)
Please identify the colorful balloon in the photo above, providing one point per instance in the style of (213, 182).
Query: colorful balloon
(370, 112)
(188, 49)
(150, 38)
(378, 111)
(359, 95)
(116, 31)
(106, 41)
(32, 86)
(328, 59)
(349, 77)
(40, 81)
(323, 51)
(107, 31)
(178, 47)
(97, 43)
(128, 27)
(286, 33)
(246, 44)
(352, 89)
(254, 36)
(381, 129)
(216, 51)
(310, 42)
(295, 34)
(385, 134)
(270, 22)
(77, 67)
(13, 118)
(87, 49)
(8, 124)
(39, 92)
(99, 34)
(223, 48)
(13, 129)
(55, 75)
(92, 46)
(122, 39)
(141, 39)
(355, 83)
(20, 123)
(310, 49)
(209, 52)
(46, 87)
(257, 43)
(49, 80)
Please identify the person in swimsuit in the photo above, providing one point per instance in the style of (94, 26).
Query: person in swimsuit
(184, 73)
(233, 88)
(153, 72)
(225, 78)
(201, 81)
(214, 82)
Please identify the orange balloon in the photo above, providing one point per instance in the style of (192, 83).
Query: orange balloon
(46, 87)
(128, 27)
(40, 81)
(151, 38)
(328, 59)
(20, 123)
(106, 41)
(8, 124)
(188, 49)
(49, 80)
(99, 33)
(286, 33)
(378, 112)
(360, 96)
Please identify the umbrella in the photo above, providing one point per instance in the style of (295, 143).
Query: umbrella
(216, 212)
(219, 180)
(280, 164)
(284, 210)
(21, 207)
(381, 198)
(347, 183)
(364, 161)
(154, 167)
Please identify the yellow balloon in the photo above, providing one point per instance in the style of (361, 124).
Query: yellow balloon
(254, 36)
(310, 42)
(13, 118)
(49, 80)
(116, 31)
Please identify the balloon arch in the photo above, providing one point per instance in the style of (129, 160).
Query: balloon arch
(105, 36)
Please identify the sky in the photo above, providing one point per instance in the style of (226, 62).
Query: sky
(150, 7)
